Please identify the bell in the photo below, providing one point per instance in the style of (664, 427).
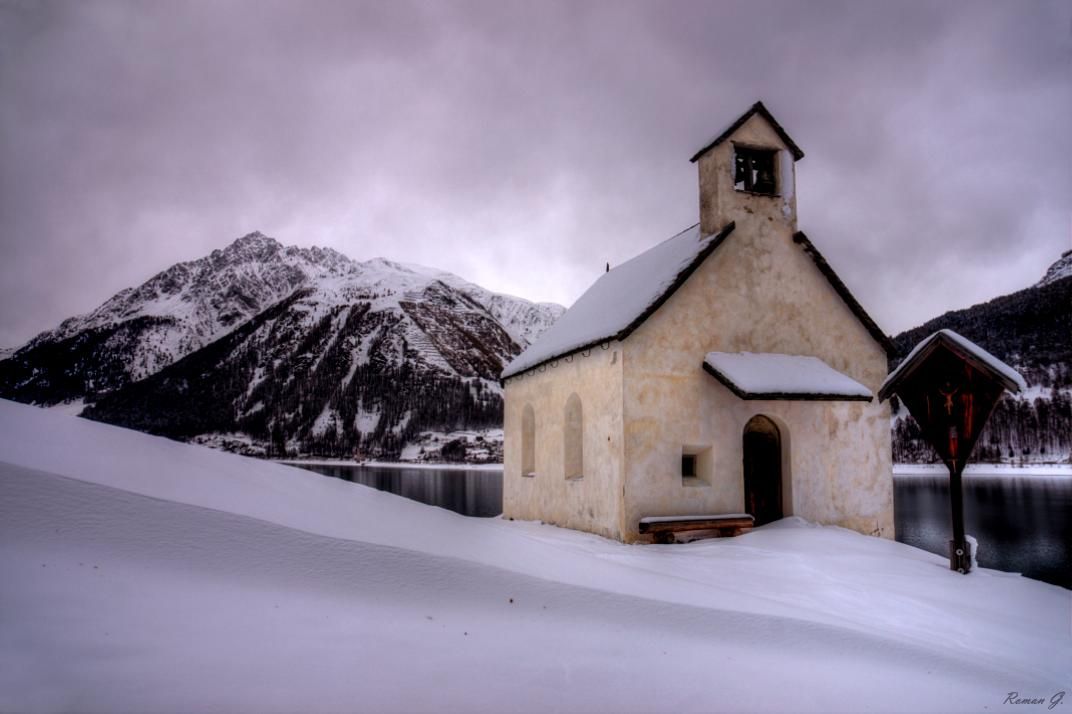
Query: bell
(764, 181)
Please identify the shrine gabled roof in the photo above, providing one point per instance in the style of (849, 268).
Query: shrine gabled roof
(766, 375)
(964, 348)
(761, 110)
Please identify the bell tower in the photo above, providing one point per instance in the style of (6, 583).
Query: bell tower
(747, 173)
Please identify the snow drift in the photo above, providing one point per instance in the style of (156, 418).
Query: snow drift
(138, 573)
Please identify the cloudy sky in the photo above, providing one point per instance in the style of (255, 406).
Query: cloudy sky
(523, 145)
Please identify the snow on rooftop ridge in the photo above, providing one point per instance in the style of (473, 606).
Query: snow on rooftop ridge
(618, 298)
(968, 346)
(761, 110)
(756, 374)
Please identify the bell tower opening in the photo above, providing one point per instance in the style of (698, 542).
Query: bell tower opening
(754, 170)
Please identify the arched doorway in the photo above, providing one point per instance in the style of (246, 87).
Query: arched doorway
(762, 470)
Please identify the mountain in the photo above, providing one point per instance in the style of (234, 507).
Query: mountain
(1058, 271)
(270, 349)
(1031, 330)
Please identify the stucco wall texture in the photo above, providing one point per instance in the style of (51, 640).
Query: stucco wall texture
(647, 400)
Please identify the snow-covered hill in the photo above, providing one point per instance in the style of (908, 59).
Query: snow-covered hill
(140, 574)
(300, 350)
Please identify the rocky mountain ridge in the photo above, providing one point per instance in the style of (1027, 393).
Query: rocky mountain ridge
(1058, 271)
(271, 349)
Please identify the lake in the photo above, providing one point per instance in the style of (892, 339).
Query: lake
(470, 492)
(1023, 525)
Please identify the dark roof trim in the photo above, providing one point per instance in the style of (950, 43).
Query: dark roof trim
(835, 282)
(784, 396)
(756, 108)
(906, 370)
(632, 326)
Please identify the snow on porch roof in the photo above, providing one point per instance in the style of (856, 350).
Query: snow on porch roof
(622, 298)
(765, 375)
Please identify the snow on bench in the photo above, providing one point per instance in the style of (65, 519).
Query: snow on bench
(663, 528)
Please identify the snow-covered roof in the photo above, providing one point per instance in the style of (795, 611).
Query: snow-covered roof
(765, 375)
(1009, 377)
(756, 108)
(622, 298)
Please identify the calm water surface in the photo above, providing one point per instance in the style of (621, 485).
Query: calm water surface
(469, 492)
(1023, 525)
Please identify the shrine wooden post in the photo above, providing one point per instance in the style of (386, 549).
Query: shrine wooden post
(950, 386)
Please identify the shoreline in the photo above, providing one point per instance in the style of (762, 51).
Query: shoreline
(1055, 471)
(389, 464)
(1030, 471)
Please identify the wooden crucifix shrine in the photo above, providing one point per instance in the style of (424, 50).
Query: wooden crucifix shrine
(950, 385)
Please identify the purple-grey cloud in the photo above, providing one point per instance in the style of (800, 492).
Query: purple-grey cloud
(523, 145)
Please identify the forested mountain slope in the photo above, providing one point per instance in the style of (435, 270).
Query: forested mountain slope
(1031, 330)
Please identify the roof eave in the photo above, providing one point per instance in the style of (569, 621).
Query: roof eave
(844, 293)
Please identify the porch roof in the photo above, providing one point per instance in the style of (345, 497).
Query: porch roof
(767, 375)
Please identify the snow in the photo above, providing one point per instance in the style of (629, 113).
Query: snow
(201, 300)
(1059, 471)
(73, 407)
(968, 346)
(711, 517)
(327, 418)
(1060, 270)
(762, 373)
(973, 550)
(366, 420)
(615, 300)
(482, 445)
(141, 574)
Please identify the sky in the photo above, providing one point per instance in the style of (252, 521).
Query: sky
(523, 145)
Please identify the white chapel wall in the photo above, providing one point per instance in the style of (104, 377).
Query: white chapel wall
(593, 501)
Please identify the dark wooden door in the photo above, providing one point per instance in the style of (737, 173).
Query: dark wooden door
(762, 470)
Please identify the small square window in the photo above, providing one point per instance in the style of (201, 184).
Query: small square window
(688, 465)
(753, 171)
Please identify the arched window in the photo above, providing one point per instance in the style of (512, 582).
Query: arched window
(528, 441)
(573, 441)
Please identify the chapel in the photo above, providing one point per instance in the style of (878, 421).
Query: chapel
(725, 371)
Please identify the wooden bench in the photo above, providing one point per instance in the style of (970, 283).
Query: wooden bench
(662, 529)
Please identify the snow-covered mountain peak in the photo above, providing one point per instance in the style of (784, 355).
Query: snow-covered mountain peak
(1062, 268)
(404, 312)
(393, 266)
